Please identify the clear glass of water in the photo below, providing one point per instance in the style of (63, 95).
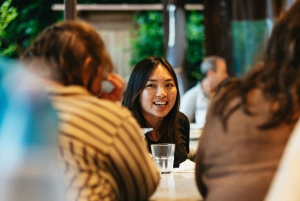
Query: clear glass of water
(163, 155)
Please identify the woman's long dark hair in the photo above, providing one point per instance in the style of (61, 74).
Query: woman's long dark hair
(277, 75)
(137, 82)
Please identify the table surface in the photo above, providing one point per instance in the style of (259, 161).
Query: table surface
(177, 186)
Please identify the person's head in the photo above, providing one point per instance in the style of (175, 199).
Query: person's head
(277, 74)
(214, 70)
(71, 53)
(28, 132)
(152, 93)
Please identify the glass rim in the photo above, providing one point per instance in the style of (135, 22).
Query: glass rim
(163, 144)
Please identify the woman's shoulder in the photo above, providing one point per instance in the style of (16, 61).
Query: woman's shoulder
(227, 94)
(183, 120)
(231, 94)
(182, 117)
(108, 109)
(116, 107)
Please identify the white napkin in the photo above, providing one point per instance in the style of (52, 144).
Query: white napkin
(186, 166)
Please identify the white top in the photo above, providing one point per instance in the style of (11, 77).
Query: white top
(192, 100)
(286, 182)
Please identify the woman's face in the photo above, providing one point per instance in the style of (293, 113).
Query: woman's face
(159, 95)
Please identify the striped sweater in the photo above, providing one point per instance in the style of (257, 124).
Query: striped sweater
(101, 148)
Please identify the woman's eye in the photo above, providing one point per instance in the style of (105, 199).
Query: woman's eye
(170, 85)
(150, 85)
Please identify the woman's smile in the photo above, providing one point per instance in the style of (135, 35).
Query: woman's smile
(160, 103)
(159, 95)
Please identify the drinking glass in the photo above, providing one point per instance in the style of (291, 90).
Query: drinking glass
(163, 155)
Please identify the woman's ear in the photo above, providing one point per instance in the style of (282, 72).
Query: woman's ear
(86, 71)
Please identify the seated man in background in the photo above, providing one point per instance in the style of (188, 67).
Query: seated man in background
(101, 147)
(214, 71)
(28, 138)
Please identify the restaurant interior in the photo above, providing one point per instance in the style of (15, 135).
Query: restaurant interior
(240, 33)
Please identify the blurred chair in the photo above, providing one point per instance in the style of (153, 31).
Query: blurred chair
(28, 138)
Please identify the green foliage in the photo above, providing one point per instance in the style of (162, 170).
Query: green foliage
(148, 40)
(196, 46)
(7, 15)
(33, 17)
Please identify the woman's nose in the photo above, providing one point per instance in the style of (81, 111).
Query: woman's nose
(161, 92)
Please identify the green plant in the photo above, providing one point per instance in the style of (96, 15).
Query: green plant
(148, 40)
(33, 16)
(196, 46)
(7, 15)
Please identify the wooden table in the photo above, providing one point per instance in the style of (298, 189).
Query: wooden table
(177, 186)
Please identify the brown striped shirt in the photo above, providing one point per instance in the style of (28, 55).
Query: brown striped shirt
(101, 148)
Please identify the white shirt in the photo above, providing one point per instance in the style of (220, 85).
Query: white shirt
(286, 182)
(192, 100)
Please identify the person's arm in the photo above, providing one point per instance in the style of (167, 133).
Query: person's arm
(135, 172)
(200, 153)
(199, 169)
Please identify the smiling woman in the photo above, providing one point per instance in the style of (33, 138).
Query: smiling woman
(159, 95)
(153, 97)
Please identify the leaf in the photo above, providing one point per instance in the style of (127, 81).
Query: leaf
(7, 15)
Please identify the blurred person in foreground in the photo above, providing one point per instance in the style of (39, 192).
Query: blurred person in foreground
(101, 147)
(214, 71)
(29, 168)
(251, 119)
(286, 182)
(153, 97)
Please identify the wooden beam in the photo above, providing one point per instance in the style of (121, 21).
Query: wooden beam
(70, 9)
(118, 7)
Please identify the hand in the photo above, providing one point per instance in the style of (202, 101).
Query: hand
(117, 93)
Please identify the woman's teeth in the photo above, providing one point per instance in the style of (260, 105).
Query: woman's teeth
(160, 103)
